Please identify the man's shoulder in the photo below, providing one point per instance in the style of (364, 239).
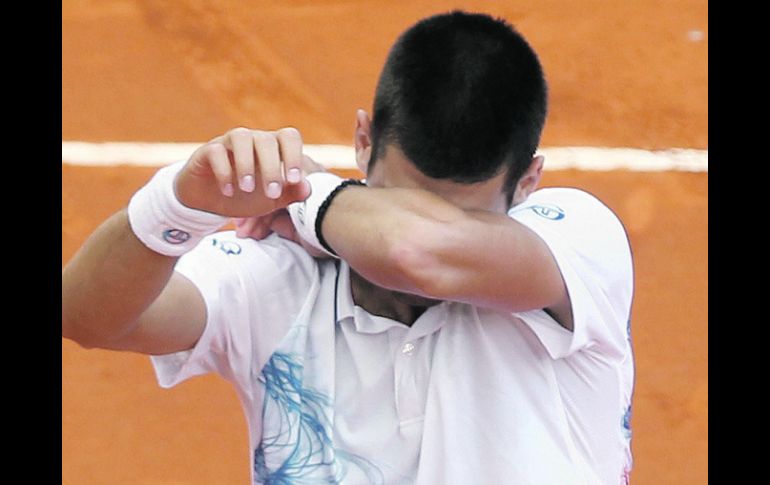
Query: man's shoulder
(569, 207)
(577, 222)
(560, 199)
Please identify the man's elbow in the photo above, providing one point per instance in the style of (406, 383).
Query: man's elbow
(76, 328)
(74, 322)
(72, 333)
(72, 330)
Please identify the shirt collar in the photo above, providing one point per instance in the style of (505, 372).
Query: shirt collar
(344, 295)
(346, 307)
(367, 323)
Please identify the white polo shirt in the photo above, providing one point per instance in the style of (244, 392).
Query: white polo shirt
(333, 394)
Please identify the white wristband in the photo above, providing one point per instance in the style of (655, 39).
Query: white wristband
(164, 224)
(304, 213)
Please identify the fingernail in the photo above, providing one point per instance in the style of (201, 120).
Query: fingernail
(273, 190)
(238, 220)
(228, 190)
(294, 175)
(247, 183)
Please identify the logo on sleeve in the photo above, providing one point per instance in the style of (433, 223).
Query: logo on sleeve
(176, 236)
(549, 211)
(227, 247)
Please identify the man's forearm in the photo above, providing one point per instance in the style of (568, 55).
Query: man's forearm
(109, 282)
(414, 241)
(383, 233)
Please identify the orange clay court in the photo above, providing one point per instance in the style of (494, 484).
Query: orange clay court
(621, 74)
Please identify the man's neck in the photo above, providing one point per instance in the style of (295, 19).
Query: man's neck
(382, 302)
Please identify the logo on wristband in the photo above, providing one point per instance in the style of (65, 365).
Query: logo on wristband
(175, 236)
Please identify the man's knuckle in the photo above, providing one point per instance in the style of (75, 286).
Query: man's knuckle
(290, 132)
(214, 149)
(263, 137)
(239, 132)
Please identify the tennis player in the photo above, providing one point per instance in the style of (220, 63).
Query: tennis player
(443, 322)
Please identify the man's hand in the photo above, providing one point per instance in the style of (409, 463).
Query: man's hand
(278, 222)
(245, 173)
(260, 226)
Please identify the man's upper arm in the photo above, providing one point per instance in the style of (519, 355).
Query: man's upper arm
(226, 292)
(592, 252)
(174, 321)
(490, 261)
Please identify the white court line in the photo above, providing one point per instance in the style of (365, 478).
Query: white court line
(342, 157)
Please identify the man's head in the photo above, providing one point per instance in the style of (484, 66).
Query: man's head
(462, 99)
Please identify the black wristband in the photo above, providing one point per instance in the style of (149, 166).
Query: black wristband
(325, 206)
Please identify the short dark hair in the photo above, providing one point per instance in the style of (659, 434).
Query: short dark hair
(463, 96)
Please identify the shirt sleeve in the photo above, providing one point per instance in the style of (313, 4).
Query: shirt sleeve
(253, 291)
(591, 249)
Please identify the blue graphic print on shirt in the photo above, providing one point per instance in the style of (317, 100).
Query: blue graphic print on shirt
(297, 446)
(627, 423)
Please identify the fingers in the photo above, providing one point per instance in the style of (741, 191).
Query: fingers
(274, 158)
(280, 159)
(294, 193)
(216, 155)
(246, 226)
(254, 227)
(259, 228)
(290, 145)
(282, 225)
(243, 158)
(266, 146)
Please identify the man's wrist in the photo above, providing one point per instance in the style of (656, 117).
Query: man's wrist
(162, 222)
(303, 213)
(325, 206)
(307, 215)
